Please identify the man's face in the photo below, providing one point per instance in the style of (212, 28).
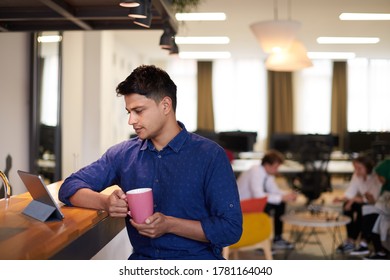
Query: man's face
(146, 117)
(272, 169)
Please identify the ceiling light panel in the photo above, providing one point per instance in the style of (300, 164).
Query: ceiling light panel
(200, 16)
(202, 40)
(348, 40)
(204, 55)
(364, 16)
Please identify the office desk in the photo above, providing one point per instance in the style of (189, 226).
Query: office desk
(80, 235)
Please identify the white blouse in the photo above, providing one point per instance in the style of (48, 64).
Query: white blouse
(358, 186)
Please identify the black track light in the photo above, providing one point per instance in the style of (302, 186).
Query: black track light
(129, 3)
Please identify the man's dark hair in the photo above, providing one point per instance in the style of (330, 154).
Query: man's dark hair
(150, 81)
(272, 157)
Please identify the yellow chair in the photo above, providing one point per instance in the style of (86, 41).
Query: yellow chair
(257, 230)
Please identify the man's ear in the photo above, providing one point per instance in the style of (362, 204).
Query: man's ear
(167, 103)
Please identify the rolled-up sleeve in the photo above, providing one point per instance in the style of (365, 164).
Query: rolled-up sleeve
(96, 176)
(224, 225)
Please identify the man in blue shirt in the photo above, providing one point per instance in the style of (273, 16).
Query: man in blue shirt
(196, 203)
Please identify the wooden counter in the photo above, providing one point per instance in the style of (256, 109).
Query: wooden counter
(80, 235)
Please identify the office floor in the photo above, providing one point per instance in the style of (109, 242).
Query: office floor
(312, 249)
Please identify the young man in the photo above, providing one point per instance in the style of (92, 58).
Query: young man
(259, 181)
(197, 209)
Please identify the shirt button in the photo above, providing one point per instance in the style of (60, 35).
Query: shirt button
(156, 180)
(231, 205)
(159, 156)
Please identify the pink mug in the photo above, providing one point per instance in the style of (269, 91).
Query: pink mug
(140, 203)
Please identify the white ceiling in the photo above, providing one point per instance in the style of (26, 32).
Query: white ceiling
(317, 18)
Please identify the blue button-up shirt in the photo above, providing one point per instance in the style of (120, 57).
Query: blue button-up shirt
(191, 179)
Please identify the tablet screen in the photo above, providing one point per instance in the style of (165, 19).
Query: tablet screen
(42, 197)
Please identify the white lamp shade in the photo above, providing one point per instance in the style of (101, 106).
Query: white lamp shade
(275, 35)
(292, 59)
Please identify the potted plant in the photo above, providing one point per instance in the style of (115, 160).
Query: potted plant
(184, 6)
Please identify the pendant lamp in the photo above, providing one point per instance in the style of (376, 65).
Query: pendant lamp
(275, 35)
(288, 60)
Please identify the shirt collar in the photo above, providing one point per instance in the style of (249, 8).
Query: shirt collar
(175, 144)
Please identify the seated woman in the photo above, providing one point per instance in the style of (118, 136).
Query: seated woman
(377, 217)
(363, 189)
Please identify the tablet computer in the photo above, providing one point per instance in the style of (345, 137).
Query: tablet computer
(43, 207)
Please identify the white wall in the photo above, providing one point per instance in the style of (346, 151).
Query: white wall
(72, 101)
(14, 104)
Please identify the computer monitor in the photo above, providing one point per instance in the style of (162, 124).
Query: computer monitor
(362, 141)
(329, 140)
(358, 142)
(237, 141)
(291, 144)
(282, 142)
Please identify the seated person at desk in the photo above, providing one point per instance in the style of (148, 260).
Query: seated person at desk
(363, 189)
(196, 204)
(376, 218)
(259, 181)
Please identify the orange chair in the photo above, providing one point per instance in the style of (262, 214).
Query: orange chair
(257, 229)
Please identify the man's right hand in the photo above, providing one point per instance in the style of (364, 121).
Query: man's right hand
(117, 204)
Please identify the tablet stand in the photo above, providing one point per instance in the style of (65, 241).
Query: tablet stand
(40, 211)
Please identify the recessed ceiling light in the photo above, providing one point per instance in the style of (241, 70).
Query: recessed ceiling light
(364, 16)
(202, 40)
(200, 16)
(204, 55)
(331, 55)
(347, 40)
